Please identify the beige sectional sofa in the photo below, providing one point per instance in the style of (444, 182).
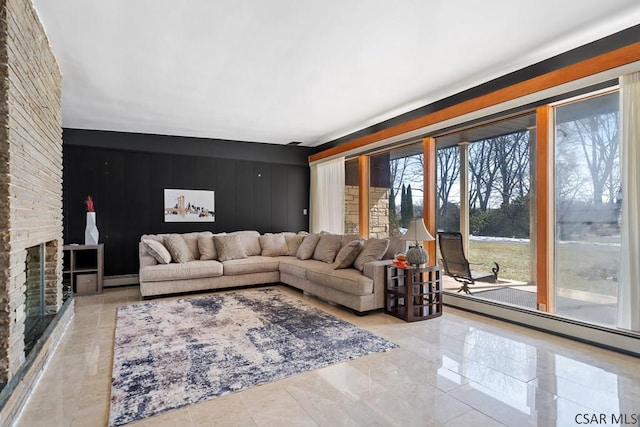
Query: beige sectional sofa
(344, 269)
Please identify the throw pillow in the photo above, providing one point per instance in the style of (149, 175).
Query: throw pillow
(157, 250)
(327, 247)
(273, 244)
(308, 246)
(206, 246)
(250, 241)
(348, 254)
(372, 250)
(346, 238)
(396, 246)
(178, 248)
(191, 239)
(229, 247)
(293, 243)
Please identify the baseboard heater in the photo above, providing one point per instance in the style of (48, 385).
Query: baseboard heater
(613, 339)
(121, 280)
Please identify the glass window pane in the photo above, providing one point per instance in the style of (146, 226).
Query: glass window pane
(499, 211)
(395, 189)
(495, 217)
(587, 209)
(448, 189)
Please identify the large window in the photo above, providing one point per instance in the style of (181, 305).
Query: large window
(395, 189)
(499, 211)
(484, 191)
(587, 208)
(540, 191)
(494, 170)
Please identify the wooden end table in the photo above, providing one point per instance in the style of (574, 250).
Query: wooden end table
(413, 294)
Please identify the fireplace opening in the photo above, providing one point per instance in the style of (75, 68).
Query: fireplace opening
(36, 321)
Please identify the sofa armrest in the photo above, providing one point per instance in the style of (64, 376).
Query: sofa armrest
(145, 258)
(377, 271)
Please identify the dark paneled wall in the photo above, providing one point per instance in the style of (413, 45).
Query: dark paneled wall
(252, 191)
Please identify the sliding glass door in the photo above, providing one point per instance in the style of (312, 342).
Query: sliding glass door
(484, 191)
(587, 208)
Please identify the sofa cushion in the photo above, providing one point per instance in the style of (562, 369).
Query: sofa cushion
(229, 247)
(185, 270)
(294, 266)
(308, 246)
(157, 250)
(348, 254)
(252, 264)
(327, 247)
(293, 243)
(178, 248)
(273, 244)
(348, 280)
(191, 239)
(372, 250)
(250, 241)
(206, 245)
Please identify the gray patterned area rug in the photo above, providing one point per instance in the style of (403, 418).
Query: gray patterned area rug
(170, 354)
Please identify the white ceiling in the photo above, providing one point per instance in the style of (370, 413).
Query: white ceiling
(278, 71)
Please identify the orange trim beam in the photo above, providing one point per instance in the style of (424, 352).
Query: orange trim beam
(544, 243)
(363, 196)
(615, 58)
(429, 194)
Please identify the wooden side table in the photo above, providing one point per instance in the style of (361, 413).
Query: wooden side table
(413, 294)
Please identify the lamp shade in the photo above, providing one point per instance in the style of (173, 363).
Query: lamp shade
(417, 231)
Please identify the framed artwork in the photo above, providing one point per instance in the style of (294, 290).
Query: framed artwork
(189, 205)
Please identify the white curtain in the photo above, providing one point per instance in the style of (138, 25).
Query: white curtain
(629, 275)
(327, 196)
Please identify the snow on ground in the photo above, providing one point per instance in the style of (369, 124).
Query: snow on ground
(496, 239)
(518, 240)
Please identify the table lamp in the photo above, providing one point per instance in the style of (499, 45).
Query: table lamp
(417, 232)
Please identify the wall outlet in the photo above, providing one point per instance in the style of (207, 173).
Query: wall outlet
(304, 211)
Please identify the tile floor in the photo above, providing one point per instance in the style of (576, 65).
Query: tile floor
(456, 370)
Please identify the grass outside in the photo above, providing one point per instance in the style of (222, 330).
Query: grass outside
(586, 266)
(512, 257)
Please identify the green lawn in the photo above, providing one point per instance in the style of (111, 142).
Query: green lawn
(588, 267)
(512, 257)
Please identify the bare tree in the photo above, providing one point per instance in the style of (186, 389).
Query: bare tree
(570, 182)
(482, 173)
(406, 170)
(403, 170)
(598, 137)
(448, 165)
(512, 160)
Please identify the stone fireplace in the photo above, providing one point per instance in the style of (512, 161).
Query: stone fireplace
(30, 181)
(41, 291)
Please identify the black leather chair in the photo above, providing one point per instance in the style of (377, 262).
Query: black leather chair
(455, 263)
